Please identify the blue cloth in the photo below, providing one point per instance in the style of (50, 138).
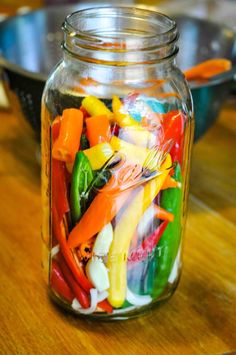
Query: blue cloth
(155, 105)
(142, 105)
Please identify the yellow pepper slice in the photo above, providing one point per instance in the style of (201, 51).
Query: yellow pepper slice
(131, 152)
(147, 158)
(99, 154)
(96, 107)
(133, 131)
(122, 119)
(124, 232)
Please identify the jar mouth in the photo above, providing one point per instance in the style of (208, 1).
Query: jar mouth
(122, 32)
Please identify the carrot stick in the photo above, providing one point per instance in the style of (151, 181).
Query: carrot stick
(208, 68)
(67, 144)
(98, 129)
(102, 210)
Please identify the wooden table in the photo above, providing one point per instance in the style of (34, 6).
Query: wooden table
(201, 316)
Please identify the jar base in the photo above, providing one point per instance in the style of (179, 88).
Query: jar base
(121, 314)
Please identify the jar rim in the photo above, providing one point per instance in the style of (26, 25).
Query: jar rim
(113, 10)
(121, 32)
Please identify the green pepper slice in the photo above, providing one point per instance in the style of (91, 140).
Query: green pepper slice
(82, 176)
(101, 178)
(169, 244)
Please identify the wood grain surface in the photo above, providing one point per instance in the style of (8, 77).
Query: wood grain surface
(199, 319)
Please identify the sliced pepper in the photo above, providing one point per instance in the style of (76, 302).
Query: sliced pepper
(124, 177)
(68, 141)
(59, 188)
(98, 129)
(101, 211)
(170, 183)
(101, 178)
(148, 245)
(99, 155)
(58, 283)
(105, 305)
(69, 254)
(173, 129)
(96, 107)
(122, 119)
(79, 292)
(169, 244)
(177, 150)
(161, 213)
(82, 176)
(135, 154)
(124, 231)
(105, 205)
(173, 125)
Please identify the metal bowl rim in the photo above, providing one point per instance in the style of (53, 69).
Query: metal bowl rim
(41, 77)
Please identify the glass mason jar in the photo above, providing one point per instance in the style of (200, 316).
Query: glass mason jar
(117, 128)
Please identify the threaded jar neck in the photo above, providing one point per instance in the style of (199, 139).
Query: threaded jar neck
(120, 36)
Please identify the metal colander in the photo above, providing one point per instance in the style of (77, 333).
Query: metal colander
(30, 46)
(29, 92)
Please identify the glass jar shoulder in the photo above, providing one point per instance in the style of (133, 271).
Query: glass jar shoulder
(63, 77)
(170, 88)
(62, 89)
(180, 85)
(157, 87)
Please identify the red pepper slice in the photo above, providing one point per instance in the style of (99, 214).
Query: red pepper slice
(80, 294)
(148, 245)
(69, 254)
(59, 284)
(173, 128)
(85, 113)
(150, 242)
(105, 305)
(177, 150)
(173, 125)
(60, 206)
(59, 177)
(59, 188)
